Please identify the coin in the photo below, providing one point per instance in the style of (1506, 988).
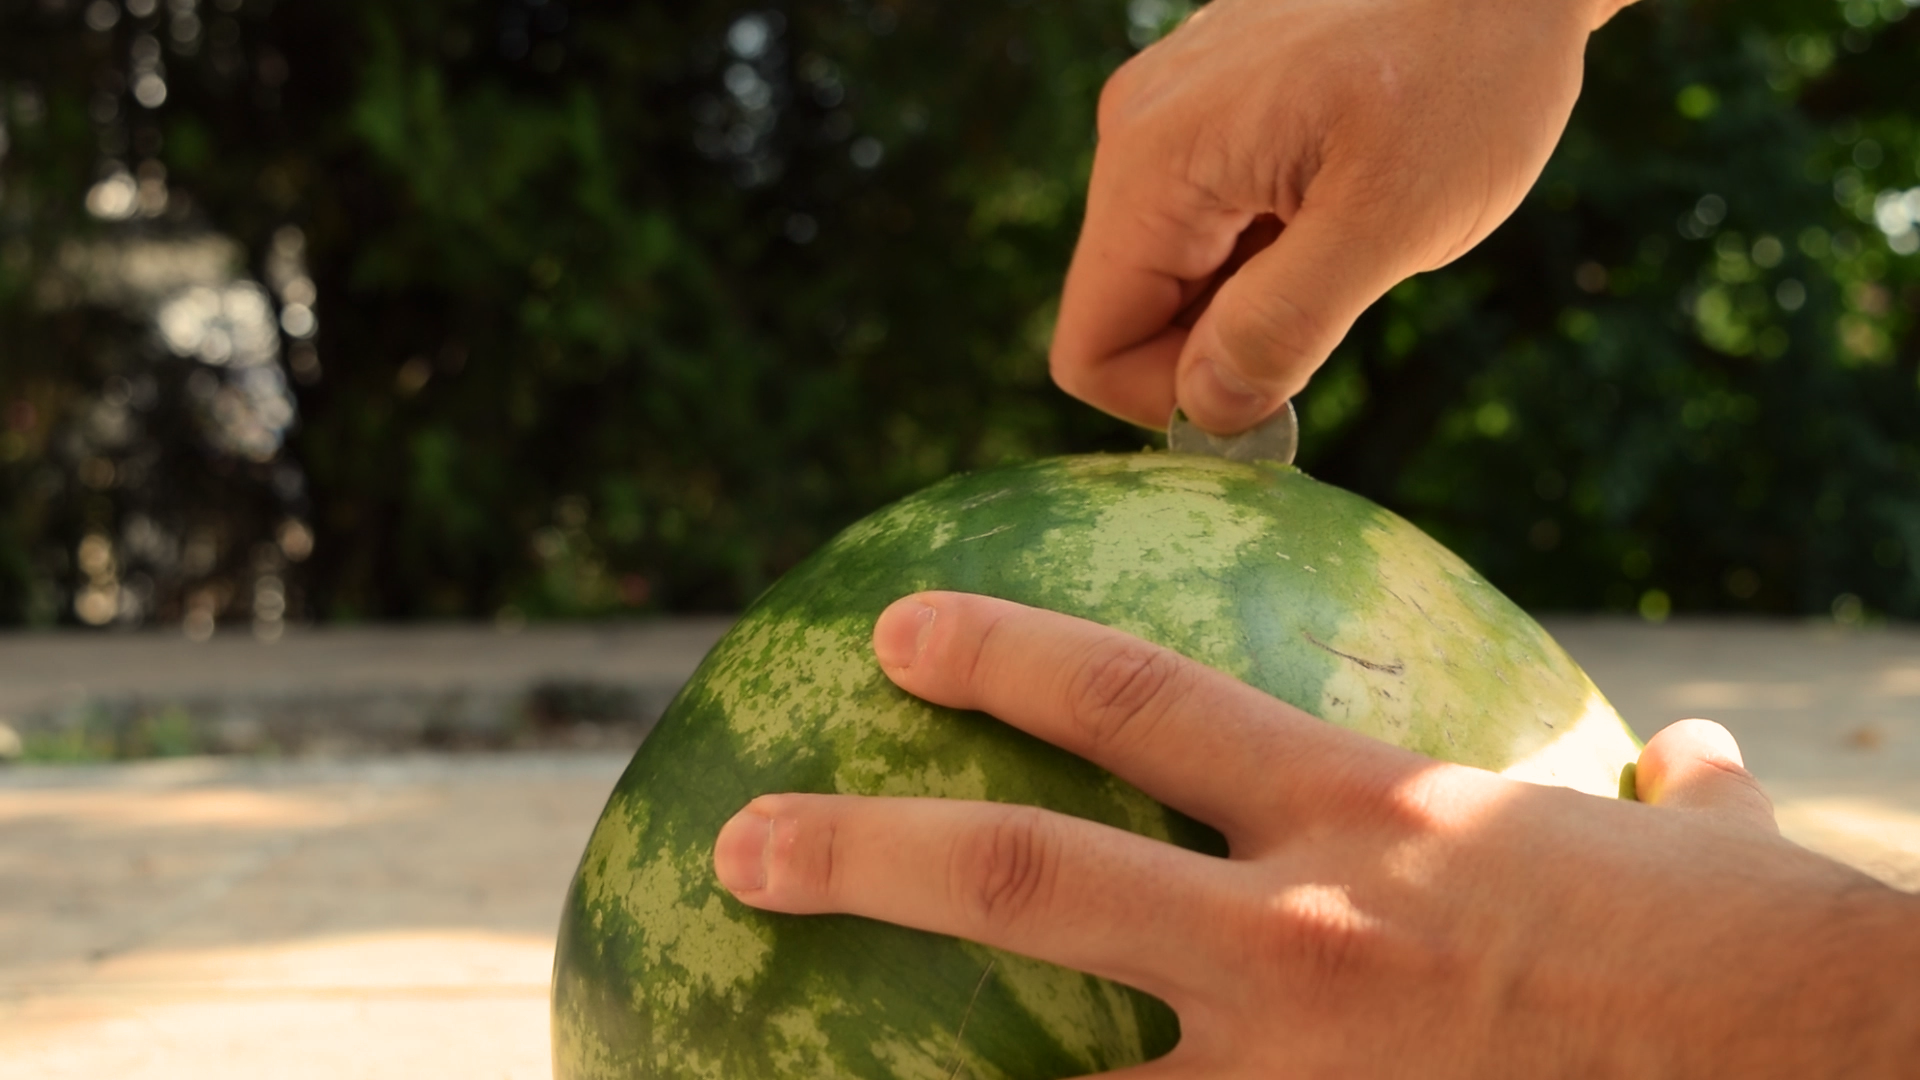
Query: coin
(1276, 438)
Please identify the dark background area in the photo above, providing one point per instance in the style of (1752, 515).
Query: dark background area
(359, 310)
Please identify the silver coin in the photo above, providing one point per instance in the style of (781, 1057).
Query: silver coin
(1276, 438)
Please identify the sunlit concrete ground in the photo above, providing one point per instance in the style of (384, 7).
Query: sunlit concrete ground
(394, 917)
(1828, 719)
(210, 919)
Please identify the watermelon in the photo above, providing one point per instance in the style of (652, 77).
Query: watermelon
(1307, 592)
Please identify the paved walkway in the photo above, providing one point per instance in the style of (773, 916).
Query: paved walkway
(220, 919)
(355, 690)
(212, 919)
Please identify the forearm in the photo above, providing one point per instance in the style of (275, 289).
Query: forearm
(1813, 988)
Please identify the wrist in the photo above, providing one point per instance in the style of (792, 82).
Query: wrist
(1872, 978)
(1819, 978)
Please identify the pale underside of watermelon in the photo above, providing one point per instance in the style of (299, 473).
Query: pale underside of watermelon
(1309, 593)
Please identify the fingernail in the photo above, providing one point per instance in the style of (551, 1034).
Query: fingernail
(902, 632)
(1223, 402)
(740, 852)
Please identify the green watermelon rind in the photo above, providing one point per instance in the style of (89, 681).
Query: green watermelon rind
(1307, 592)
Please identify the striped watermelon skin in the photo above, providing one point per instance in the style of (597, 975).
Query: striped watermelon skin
(1312, 594)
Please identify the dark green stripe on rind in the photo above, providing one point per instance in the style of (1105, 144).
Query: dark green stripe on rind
(1311, 594)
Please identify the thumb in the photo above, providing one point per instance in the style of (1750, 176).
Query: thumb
(1696, 765)
(1273, 323)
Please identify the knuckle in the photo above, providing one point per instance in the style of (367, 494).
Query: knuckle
(803, 866)
(1006, 872)
(982, 658)
(1407, 805)
(1318, 935)
(1736, 774)
(826, 863)
(1121, 688)
(1116, 98)
(1393, 802)
(1276, 333)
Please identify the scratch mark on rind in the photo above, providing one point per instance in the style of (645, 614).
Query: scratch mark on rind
(981, 500)
(984, 535)
(967, 1015)
(1395, 668)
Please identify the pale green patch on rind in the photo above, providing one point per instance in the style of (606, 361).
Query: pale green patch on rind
(664, 900)
(830, 702)
(1586, 757)
(1438, 661)
(927, 1059)
(800, 1046)
(880, 775)
(1090, 1014)
(716, 954)
(692, 1063)
(579, 1050)
(1180, 518)
(612, 852)
(820, 669)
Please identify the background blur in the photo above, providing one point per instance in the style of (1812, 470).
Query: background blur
(519, 309)
(490, 312)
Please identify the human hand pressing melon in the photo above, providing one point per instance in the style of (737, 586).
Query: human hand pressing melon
(1377, 913)
(1310, 797)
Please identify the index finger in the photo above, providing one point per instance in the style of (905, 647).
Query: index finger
(1144, 255)
(1196, 739)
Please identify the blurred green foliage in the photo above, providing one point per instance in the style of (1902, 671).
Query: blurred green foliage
(627, 307)
(102, 734)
